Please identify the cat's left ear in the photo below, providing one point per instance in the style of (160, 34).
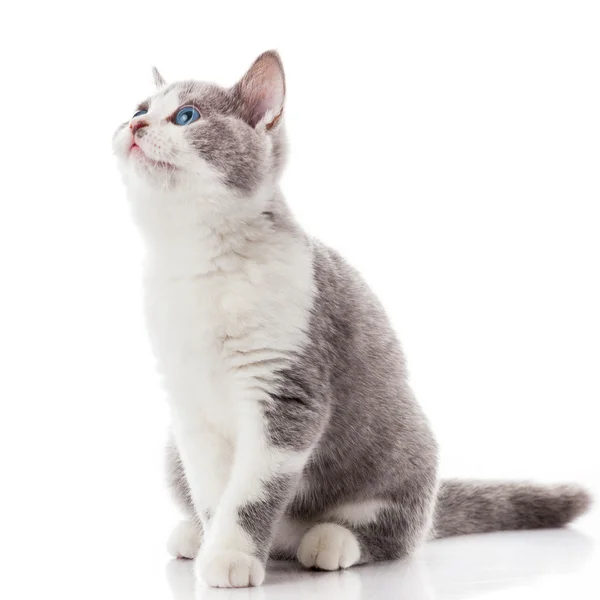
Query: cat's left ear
(159, 80)
(262, 91)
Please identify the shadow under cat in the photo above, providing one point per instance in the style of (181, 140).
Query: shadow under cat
(460, 567)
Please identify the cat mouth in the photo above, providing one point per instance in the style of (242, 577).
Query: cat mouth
(141, 156)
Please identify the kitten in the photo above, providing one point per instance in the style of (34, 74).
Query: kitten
(294, 431)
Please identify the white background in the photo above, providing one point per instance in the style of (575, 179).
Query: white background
(449, 149)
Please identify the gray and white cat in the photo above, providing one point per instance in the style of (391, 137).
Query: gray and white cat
(294, 431)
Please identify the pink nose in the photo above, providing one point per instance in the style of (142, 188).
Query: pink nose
(137, 125)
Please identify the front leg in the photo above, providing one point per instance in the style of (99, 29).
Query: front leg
(274, 441)
(203, 460)
(186, 538)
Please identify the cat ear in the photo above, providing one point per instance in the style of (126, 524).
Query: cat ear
(262, 91)
(158, 78)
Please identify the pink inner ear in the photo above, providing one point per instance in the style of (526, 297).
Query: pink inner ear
(262, 89)
(272, 98)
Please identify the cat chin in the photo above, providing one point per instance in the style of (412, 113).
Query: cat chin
(147, 178)
(138, 156)
(199, 185)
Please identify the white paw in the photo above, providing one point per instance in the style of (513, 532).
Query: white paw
(230, 568)
(329, 546)
(184, 542)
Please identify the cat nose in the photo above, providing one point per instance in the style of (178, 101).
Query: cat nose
(137, 125)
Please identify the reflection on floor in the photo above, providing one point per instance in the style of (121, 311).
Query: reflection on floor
(463, 567)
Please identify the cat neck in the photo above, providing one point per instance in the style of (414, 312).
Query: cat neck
(189, 234)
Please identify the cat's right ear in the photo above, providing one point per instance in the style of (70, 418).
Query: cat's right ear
(159, 80)
(262, 91)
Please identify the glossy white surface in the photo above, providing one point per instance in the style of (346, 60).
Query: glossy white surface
(544, 564)
(548, 565)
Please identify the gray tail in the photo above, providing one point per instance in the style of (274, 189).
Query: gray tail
(474, 507)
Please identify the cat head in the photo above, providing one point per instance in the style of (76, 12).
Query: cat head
(203, 140)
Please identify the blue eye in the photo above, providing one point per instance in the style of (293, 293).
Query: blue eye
(186, 115)
(139, 113)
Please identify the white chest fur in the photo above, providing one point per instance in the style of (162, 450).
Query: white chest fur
(221, 329)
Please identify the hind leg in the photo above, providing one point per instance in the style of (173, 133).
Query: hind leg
(368, 531)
